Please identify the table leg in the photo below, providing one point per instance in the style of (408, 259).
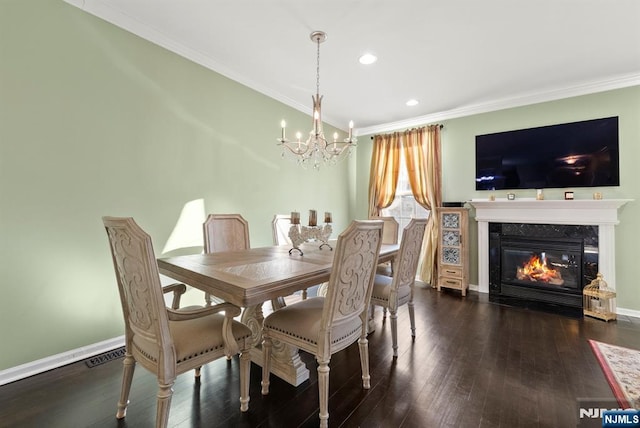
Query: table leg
(285, 359)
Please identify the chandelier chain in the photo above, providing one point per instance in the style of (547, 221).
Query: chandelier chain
(318, 67)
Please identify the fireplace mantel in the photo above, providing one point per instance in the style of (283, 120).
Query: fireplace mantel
(602, 213)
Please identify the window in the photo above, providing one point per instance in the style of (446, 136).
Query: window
(404, 207)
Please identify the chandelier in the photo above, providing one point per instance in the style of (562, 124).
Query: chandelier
(316, 149)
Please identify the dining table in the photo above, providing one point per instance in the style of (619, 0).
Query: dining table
(249, 278)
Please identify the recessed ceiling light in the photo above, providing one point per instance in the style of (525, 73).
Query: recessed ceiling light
(412, 102)
(367, 59)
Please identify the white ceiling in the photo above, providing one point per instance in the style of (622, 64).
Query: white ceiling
(456, 57)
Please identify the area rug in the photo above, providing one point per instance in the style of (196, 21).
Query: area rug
(621, 367)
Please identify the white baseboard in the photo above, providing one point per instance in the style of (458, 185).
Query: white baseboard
(54, 361)
(628, 312)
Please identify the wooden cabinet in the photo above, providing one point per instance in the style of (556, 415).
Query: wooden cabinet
(453, 254)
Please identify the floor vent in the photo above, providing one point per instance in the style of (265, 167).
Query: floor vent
(105, 357)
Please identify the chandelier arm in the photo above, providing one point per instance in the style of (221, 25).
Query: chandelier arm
(294, 147)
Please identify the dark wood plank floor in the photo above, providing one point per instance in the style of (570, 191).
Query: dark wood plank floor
(473, 364)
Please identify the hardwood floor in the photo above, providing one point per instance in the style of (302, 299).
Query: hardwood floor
(473, 364)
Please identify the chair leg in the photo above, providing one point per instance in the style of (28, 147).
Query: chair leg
(164, 404)
(393, 316)
(323, 391)
(384, 313)
(197, 370)
(412, 318)
(304, 294)
(129, 366)
(245, 366)
(266, 364)
(363, 344)
(207, 299)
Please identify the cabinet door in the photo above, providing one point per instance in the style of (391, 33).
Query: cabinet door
(451, 238)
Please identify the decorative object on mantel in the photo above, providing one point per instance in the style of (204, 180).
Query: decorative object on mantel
(511, 196)
(300, 234)
(316, 149)
(568, 196)
(599, 300)
(539, 195)
(597, 196)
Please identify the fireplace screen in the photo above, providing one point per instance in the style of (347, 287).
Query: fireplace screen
(542, 263)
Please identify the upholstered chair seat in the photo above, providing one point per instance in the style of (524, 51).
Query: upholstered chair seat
(193, 338)
(382, 291)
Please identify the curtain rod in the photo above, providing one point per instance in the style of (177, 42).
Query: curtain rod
(440, 125)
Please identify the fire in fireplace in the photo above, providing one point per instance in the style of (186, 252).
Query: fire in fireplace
(537, 270)
(547, 264)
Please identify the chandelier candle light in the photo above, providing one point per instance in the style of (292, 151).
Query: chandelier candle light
(315, 149)
(300, 234)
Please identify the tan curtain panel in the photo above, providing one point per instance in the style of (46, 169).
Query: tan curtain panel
(422, 156)
(383, 178)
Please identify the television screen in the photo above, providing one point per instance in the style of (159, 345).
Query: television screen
(578, 154)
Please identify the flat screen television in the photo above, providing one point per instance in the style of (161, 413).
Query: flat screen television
(577, 154)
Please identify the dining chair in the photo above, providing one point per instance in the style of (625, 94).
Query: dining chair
(280, 226)
(224, 232)
(389, 236)
(323, 326)
(165, 341)
(393, 292)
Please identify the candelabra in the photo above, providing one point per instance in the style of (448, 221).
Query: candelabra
(300, 234)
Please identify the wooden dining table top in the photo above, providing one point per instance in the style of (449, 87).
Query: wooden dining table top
(250, 277)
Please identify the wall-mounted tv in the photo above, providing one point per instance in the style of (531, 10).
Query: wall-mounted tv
(578, 154)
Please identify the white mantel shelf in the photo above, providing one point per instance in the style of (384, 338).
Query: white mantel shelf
(581, 211)
(602, 213)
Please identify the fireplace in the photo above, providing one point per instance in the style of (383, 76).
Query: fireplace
(598, 253)
(543, 264)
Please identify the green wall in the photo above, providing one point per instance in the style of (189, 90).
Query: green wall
(458, 164)
(96, 121)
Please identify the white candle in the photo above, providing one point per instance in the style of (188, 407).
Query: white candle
(295, 217)
(350, 129)
(283, 124)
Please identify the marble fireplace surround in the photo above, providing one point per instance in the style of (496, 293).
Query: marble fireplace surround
(602, 213)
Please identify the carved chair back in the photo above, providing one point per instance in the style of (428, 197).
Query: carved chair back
(389, 230)
(225, 232)
(281, 224)
(146, 322)
(406, 263)
(350, 284)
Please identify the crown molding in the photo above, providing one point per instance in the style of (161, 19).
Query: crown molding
(616, 82)
(116, 17)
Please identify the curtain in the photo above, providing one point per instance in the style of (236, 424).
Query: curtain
(383, 178)
(422, 156)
